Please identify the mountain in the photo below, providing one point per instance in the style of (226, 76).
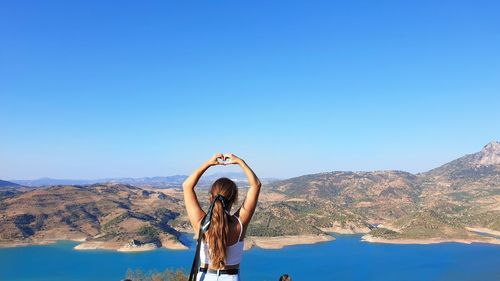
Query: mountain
(8, 184)
(110, 215)
(379, 194)
(444, 203)
(452, 202)
(161, 182)
(9, 189)
(238, 177)
(485, 163)
(158, 182)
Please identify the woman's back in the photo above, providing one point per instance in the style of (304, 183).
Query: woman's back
(234, 250)
(221, 246)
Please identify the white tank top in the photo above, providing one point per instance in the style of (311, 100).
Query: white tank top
(233, 252)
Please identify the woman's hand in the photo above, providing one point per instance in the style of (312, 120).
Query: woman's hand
(216, 159)
(232, 159)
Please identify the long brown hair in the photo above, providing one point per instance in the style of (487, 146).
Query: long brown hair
(217, 234)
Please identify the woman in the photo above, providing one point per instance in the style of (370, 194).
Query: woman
(222, 244)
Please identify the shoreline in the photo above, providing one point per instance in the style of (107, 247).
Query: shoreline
(17, 243)
(345, 231)
(407, 241)
(268, 243)
(278, 242)
(128, 248)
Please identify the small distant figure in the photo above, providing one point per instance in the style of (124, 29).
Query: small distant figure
(285, 277)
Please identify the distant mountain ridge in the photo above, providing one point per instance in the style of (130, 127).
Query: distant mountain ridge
(159, 182)
(8, 184)
(167, 181)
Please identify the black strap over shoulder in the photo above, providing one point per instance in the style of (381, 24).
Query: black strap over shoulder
(196, 260)
(204, 226)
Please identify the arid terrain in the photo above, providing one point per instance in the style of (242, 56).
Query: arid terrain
(458, 201)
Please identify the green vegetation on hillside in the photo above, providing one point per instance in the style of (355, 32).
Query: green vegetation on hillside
(167, 275)
(149, 233)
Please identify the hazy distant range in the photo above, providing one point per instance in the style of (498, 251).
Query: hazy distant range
(158, 182)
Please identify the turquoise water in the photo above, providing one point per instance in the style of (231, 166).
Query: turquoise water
(346, 258)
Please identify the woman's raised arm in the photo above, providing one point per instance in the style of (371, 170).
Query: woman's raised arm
(248, 207)
(194, 210)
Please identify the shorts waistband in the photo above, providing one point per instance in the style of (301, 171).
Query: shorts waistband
(232, 271)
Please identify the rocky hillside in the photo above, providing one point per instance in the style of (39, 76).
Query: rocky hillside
(111, 213)
(472, 166)
(441, 203)
(449, 202)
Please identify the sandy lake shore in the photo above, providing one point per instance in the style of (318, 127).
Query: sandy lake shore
(120, 247)
(12, 244)
(261, 242)
(371, 239)
(253, 241)
(282, 241)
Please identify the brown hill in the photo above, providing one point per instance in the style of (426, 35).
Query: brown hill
(441, 203)
(450, 202)
(111, 213)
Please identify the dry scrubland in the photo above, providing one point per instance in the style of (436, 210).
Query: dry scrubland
(459, 201)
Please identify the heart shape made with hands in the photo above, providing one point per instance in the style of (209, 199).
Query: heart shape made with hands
(225, 160)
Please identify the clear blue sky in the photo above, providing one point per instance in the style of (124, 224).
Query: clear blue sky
(92, 89)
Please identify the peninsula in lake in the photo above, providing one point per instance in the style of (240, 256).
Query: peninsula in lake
(458, 201)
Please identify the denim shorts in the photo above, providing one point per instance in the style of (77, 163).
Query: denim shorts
(206, 276)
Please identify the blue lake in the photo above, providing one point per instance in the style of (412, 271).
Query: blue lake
(346, 258)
